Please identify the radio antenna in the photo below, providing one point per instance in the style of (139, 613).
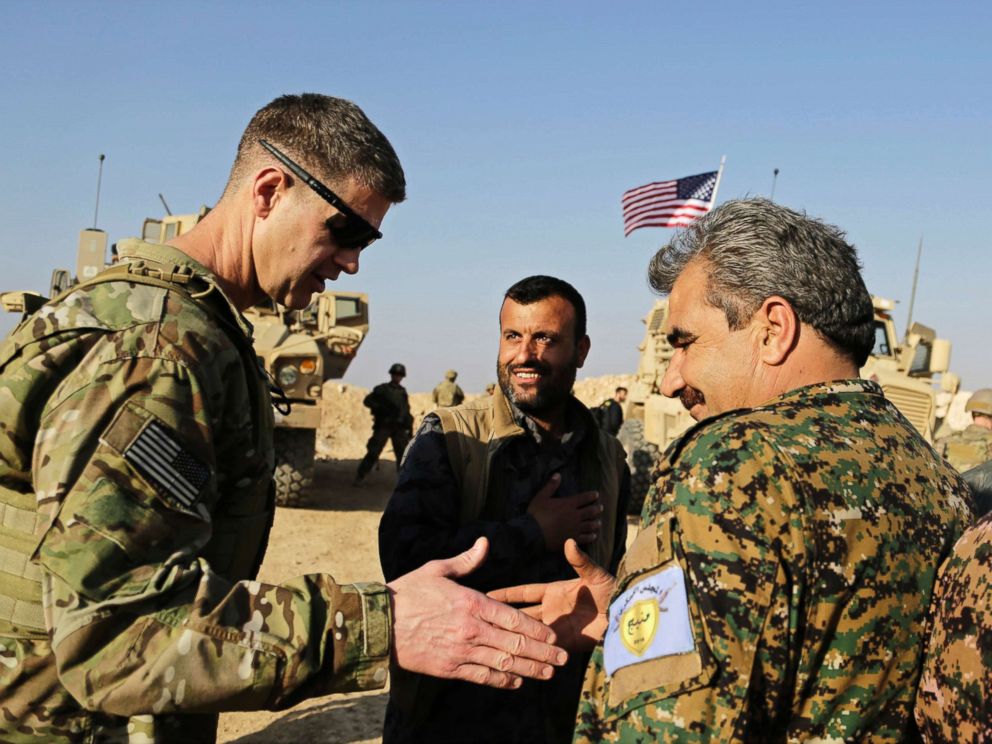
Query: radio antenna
(99, 178)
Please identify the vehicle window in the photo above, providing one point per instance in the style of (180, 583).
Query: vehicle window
(346, 308)
(881, 341)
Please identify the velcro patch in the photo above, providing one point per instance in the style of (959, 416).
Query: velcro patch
(177, 475)
(649, 620)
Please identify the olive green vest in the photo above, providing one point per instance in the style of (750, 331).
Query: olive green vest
(235, 549)
(475, 432)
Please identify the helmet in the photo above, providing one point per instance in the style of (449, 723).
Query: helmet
(450, 375)
(397, 369)
(980, 402)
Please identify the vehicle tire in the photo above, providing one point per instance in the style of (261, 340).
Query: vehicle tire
(642, 459)
(294, 465)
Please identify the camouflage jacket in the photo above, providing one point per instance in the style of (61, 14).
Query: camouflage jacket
(952, 704)
(967, 448)
(786, 559)
(135, 495)
(447, 394)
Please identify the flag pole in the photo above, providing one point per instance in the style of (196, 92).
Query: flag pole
(719, 175)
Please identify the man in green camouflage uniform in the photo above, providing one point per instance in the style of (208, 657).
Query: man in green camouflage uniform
(448, 393)
(972, 446)
(952, 704)
(135, 476)
(779, 586)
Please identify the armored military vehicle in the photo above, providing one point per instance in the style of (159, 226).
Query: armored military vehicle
(299, 349)
(910, 373)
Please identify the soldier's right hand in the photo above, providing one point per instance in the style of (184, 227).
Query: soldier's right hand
(570, 517)
(447, 630)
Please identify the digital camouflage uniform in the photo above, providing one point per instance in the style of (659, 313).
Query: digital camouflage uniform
(967, 448)
(808, 531)
(953, 703)
(135, 474)
(391, 421)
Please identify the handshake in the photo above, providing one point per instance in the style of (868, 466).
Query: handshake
(446, 630)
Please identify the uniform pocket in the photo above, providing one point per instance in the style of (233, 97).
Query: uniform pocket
(655, 644)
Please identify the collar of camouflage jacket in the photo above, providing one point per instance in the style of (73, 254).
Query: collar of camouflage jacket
(811, 396)
(132, 249)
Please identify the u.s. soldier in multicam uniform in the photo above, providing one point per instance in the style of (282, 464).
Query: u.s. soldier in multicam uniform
(952, 704)
(448, 392)
(779, 586)
(135, 477)
(972, 446)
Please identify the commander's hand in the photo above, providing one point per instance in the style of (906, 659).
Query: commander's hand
(447, 630)
(575, 609)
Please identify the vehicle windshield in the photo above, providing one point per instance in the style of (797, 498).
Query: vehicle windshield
(882, 347)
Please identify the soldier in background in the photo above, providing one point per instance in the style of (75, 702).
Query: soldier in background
(391, 421)
(779, 587)
(610, 412)
(971, 446)
(491, 388)
(447, 393)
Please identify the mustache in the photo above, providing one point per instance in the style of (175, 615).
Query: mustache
(691, 397)
(535, 365)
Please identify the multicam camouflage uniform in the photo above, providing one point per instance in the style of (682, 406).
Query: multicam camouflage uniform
(448, 393)
(135, 504)
(808, 531)
(952, 704)
(967, 448)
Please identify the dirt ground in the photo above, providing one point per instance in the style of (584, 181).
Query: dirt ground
(337, 534)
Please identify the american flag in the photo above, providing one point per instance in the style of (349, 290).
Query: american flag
(668, 203)
(176, 474)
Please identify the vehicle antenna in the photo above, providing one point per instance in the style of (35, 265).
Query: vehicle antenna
(774, 181)
(916, 276)
(167, 210)
(99, 178)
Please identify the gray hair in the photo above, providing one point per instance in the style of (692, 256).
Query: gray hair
(754, 249)
(330, 137)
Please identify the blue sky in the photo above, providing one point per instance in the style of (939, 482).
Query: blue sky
(519, 125)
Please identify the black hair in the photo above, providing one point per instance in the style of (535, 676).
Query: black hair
(540, 287)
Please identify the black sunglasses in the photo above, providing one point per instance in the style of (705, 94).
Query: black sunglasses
(356, 232)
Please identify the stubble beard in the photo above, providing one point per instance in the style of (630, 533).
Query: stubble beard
(553, 389)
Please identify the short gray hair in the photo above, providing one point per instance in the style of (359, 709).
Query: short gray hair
(754, 249)
(330, 137)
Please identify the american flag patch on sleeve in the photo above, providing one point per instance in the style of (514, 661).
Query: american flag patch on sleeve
(176, 474)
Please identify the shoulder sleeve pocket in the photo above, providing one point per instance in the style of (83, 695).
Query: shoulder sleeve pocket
(174, 472)
(655, 644)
